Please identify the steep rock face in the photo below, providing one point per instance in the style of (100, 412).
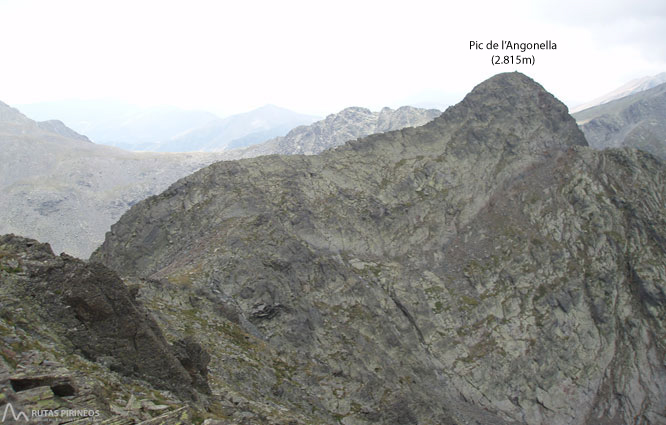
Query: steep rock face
(637, 121)
(483, 268)
(88, 305)
(336, 129)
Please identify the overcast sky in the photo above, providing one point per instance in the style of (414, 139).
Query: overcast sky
(313, 56)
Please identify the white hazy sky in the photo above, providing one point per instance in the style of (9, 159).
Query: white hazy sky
(313, 56)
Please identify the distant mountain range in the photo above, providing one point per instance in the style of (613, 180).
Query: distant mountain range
(167, 129)
(336, 129)
(119, 124)
(637, 120)
(633, 86)
(238, 131)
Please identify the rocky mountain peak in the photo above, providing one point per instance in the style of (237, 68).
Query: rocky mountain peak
(513, 109)
(351, 113)
(506, 124)
(511, 88)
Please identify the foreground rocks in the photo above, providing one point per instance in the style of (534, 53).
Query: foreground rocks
(72, 331)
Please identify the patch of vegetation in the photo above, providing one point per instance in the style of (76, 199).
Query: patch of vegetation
(186, 278)
(358, 312)
(537, 242)
(481, 349)
(540, 292)
(238, 337)
(434, 290)
(7, 258)
(10, 269)
(615, 236)
(600, 197)
(539, 319)
(532, 198)
(283, 370)
(473, 267)
(462, 331)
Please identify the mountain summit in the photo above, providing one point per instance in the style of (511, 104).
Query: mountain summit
(484, 268)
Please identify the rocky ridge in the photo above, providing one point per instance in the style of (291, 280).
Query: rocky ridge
(484, 268)
(336, 129)
(637, 121)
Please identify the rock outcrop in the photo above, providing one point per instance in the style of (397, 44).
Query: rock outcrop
(484, 268)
